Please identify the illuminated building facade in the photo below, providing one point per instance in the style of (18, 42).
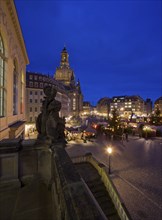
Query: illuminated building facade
(65, 75)
(13, 61)
(87, 108)
(35, 82)
(128, 105)
(158, 105)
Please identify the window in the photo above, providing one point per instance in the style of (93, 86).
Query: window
(35, 100)
(15, 89)
(30, 76)
(30, 109)
(36, 84)
(36, 93)
(74, 104)
(35, 109)
(40, 100)
(40, 78)
(41, 85)
(35, 77)
(31, 84)
(30, 100)
(2, 79)
(41, 92)
(31, 119)
(31, 92)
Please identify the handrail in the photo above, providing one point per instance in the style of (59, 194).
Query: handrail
(93, 198)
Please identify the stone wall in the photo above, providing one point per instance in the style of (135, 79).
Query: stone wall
(24, 160)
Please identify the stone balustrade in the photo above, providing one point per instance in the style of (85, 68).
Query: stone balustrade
(68, 190)
(24, 160)
(120, 207)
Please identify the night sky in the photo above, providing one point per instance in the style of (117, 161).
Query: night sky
(114, 47)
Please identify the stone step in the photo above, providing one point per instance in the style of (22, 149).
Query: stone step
(107, 205)
(96, 187)
(114, 217)
(103, 199)
(96, 181)
(100, 194)
(110, 211)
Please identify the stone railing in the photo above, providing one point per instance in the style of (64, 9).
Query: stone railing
(120, 207)
(68, 190)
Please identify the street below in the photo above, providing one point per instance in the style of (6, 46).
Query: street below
(136, 171)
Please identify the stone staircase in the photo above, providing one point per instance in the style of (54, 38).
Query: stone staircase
(96, 186)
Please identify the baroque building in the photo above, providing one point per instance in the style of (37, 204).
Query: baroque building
(66, 76)
(35, 82)
(13, 61)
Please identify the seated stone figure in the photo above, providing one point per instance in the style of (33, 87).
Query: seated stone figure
(49, 124)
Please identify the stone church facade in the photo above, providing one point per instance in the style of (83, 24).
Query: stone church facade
(13, 61)
(66, 76)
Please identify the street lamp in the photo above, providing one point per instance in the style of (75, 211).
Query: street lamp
(109, 150)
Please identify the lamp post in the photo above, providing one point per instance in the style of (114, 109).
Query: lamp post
(109, 150)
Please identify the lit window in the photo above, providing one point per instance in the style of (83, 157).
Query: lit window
(74, 104)
(30, 76)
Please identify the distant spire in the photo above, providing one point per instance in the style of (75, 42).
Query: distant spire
(64, 49)
(78, 82)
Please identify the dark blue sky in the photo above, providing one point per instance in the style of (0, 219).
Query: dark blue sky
(114, 47)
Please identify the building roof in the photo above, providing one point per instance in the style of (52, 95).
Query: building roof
(158, 100)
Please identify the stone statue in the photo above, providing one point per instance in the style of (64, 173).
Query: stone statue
(49, 125)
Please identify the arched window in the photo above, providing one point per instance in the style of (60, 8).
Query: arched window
(2, 78)
(15, 89)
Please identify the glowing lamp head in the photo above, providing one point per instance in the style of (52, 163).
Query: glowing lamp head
(109, 150)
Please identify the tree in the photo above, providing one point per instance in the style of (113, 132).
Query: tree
(115, 121)
(155, 118)
(157, 112)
